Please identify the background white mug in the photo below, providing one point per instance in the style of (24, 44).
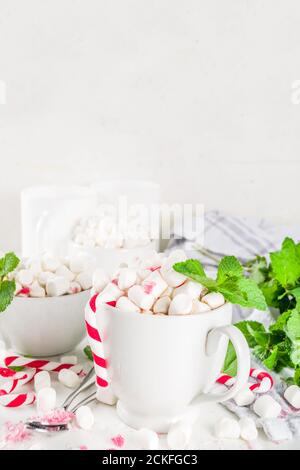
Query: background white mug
(159, 364)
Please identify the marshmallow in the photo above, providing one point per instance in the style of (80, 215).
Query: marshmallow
(78, 264)
(191, 288)
(127, 278)
(85, 279)
(42, 380)
(292, 395)
(154, 284)
(137, 295)
(113, 291)
(244, 397)
(46, 400)
(179, 436)
(44, 277)
(181, 305)
(18, 288)
(100, 279)
(68, 378)
(227, 428)
(105, 395)
(248, 429)
(169, 292)
(35, 266)
(74, 288)
(84, 417)
(214, 299)
(147, 312)
(36, 290)
(63, 271)
(266, 407)
(176, 256)
(57, 286)
(162, 305)
(147, 439)
(69, 360)
(200, 307)
(50, 263)
(25, 277)
(172, 278)
(124, 304)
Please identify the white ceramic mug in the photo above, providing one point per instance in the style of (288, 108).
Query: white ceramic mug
(159, 364)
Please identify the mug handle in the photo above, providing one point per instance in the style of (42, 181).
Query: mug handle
(243, 359)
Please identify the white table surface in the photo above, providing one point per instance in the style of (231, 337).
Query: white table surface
(107, 425)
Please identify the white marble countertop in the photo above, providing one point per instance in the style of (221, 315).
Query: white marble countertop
(107, 425)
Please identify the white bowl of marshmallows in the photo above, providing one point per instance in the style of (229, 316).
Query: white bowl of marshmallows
(46, 317)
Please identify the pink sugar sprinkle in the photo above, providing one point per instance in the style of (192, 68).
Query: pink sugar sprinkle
(118, 440)
(83, 447)
(148, 288)
(154, 268)
(58, 416)
(16, 432)
(24, 291)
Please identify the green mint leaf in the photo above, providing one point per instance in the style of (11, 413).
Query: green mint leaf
(296, 379)
(244, 292)
(271, 361)
(296, 293)
(88, 352)
(281, 322)
(251, 331)
(16, 368)
(295, 353)
(259, 334)
(292, 327)
(286, 263)
(260, 353)
(230, 363)
(258, 269)
(229, 267)
(272, 290)
(8, 264)
(7, 291)
(193, 269)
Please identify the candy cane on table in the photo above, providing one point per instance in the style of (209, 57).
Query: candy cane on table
(39, 364)
(265, 384)
(16, 380)
(102, 378)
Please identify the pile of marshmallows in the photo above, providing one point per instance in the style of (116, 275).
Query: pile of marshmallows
(154, 287)
(51, 276)
(104, 231)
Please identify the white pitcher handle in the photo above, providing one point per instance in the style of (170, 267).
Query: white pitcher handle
(243, 359)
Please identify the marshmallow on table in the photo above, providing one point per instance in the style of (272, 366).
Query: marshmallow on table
(179, 435)
(154, 284)
(36, 290)
(227, 428)
(292, 395)
(127, 278)
(100, 279)
(266, 407)
(191, 288)
(244, 397)
(57, 286)
(69, 360)
(50, 263)
(125, 304)
(25, 277)
(85, 279)
(147, 439)
(200, 307)
(105, 395)
(46, 400)
(138, 296)
(42, 380)
(214, 299)
(162, 305)
(84, 417)
(181, 305)
(248, 429)
(68, 378)
(63, 271)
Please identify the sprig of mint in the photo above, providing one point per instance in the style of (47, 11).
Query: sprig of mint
(230, 281)
(279, 280)
(88, 352)
(8, 263)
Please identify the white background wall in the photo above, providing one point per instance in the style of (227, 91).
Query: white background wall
(194, 94)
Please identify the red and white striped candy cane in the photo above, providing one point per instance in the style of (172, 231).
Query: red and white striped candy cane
(96, 344)
(39, 364)
(16, 380)
(264, 385)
